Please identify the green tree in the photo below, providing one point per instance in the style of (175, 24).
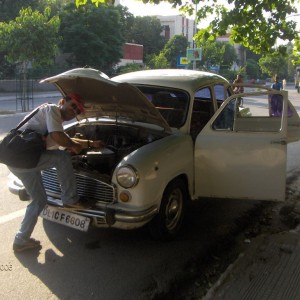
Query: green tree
(252, 69)
(129, 68)
(212, 54)
(229, 56)
(158, 62)
(175, 47)
(254, 24)
(127, 20)
(147, 32)
(167, 58)
(92, 35)
(296, 52)
(31, 38)
(9, 10)
(274, 64)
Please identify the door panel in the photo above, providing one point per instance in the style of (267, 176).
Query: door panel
(241, 152)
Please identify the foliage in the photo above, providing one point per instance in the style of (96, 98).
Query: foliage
(175, 47)
(252, 69)
(147, 31)
(274, 64)
(9, 10)
(212, 54)
(96, 2)
(296, 52)
(92, 35)
(167, 58)
(129, 68)
(7, 70)
(33, 36)
(229, 74)
(254, 24)
(229, 56)
(127, 20)
(158, 62)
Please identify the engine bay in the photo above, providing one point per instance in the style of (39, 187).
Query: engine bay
(120, 140)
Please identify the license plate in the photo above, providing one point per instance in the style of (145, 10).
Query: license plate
(64, 217)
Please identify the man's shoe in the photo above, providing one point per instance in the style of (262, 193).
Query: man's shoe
(81, 204)
(23, 195)
(26, 245)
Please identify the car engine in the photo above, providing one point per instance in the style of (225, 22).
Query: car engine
(120, 140)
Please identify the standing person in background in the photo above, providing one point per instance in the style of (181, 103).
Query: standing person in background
(277, 85)
(237, 89)
(283, 84)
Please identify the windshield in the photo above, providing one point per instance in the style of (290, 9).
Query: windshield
(172, 104)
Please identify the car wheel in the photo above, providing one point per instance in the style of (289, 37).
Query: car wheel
(166, 225)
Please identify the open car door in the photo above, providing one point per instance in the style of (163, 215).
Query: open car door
(241, 153)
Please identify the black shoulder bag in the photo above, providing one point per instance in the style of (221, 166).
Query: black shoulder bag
(22, 148)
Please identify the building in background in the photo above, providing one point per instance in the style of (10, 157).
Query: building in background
(177, 25)
(132, 53)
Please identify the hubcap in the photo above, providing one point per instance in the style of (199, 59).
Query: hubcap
(174, 209)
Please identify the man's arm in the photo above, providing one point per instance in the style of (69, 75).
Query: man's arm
(63, 140)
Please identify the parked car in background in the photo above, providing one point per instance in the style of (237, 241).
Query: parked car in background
(172, 136)
(268, 82)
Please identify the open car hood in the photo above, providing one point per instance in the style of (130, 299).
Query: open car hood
(106, 98)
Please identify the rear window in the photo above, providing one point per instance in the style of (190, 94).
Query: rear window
(172, 104)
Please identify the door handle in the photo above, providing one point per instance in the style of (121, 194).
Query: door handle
(281, 142)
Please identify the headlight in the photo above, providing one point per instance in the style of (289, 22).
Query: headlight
(127, 177)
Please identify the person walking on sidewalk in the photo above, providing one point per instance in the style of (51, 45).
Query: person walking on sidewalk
(277, 85)
(48, 121)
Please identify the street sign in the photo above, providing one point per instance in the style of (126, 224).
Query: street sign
(194, 54)
(214, 68)
(182, 61)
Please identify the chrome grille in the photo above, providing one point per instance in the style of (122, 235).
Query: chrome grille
(87, 187)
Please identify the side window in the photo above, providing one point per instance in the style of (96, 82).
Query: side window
(204, 94)
(225, 119)
(256, 113)
(221, 93)
(202, 111)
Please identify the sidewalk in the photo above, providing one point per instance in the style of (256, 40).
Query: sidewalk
(269, 266)
(11, 113)
(268, 269)
(9, 104)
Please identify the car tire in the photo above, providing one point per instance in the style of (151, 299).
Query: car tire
(167, 224)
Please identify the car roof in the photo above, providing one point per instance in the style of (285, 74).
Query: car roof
(174, 78)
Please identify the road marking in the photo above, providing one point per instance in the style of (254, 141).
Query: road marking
(12, 216)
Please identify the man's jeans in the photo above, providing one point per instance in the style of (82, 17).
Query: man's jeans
(32, 181)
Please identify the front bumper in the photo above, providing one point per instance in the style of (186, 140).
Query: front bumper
(112, 215)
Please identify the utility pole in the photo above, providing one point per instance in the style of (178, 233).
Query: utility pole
(194, 33)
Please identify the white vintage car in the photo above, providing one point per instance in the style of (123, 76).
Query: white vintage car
(172, 136)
